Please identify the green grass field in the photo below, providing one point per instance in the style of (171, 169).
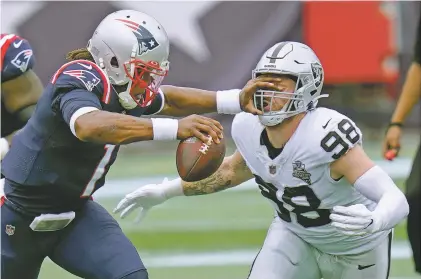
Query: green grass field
(231, 221)
(203, 237)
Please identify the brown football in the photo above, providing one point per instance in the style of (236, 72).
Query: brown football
(197, 160)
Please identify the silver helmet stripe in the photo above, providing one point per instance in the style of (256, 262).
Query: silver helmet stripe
(276, 51)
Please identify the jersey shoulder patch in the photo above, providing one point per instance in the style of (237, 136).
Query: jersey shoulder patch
(333, 134)
(16, 56)
(83, 74)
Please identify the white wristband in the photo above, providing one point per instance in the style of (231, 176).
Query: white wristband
(164, 128)
(4, 147)
(173, 188)
(228, 101)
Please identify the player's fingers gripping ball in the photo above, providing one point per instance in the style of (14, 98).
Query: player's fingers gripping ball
(197, 160)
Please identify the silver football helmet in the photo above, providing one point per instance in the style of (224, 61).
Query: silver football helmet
(296, 60)
(129, 45)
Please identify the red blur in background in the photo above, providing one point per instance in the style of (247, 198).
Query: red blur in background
(361, 29)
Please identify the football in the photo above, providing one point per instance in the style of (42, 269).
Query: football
(197, 160)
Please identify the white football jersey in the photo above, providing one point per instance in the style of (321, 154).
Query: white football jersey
(298, 183)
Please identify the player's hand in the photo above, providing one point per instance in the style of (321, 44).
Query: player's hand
(392, 142)
(354, 220)
(247, 93)
(143, 199)
(200, 127)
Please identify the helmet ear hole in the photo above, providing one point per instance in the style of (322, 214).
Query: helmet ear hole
(114, 62)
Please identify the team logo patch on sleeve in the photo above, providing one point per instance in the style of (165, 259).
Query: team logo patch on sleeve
(299, 171)
(10, 230)
(86, 77)
(21, 61)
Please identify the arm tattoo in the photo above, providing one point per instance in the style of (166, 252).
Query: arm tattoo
(214, 183)
(221, 180)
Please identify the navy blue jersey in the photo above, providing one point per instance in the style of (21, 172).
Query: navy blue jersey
(16, 59)
(48, 169)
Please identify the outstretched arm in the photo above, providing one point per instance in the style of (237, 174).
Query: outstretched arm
(181, 101)
(83, 113)
(231, 173)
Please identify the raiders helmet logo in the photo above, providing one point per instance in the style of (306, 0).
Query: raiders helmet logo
(317, 71)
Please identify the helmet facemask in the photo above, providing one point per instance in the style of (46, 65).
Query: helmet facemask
(299, 100)
(146, 76)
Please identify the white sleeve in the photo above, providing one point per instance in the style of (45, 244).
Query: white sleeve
(392, 206)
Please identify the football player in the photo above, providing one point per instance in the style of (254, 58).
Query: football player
(20, 87)
(61, 157)
(335, 209)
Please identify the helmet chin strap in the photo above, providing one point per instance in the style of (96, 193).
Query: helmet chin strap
(126, 100)
(124, 97)
(271, 120)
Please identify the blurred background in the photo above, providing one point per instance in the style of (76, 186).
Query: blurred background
(365, 48)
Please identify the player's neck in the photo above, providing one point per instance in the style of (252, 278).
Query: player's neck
(280, 134)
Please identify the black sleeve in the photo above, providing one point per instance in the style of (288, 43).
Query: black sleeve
(77, 99)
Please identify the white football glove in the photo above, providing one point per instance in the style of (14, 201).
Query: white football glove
(354, 220)
(148, 196)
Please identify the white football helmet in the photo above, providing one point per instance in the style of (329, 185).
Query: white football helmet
(126, 45)
(293, 59)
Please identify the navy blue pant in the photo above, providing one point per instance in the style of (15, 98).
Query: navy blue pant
(92, 246)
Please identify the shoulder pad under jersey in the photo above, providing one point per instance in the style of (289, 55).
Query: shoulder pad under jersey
(16, 56)
(83, 74)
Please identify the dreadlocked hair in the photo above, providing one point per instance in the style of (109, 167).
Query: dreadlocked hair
(80, 53)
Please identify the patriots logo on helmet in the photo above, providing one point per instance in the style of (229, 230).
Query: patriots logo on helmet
(21, 61)
(86, 77)
(145, 39)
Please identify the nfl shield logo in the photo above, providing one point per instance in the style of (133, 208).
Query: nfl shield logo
(272, 169)
(10, 230)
